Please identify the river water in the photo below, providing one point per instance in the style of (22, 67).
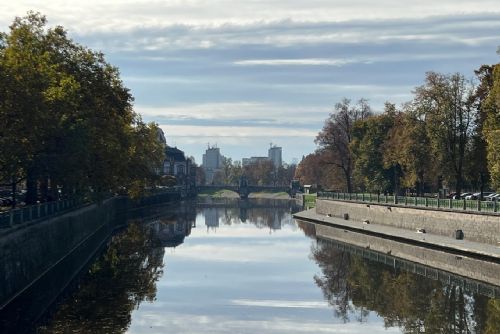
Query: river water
(251, 268)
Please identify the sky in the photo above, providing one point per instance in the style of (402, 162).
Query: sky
(244, 74)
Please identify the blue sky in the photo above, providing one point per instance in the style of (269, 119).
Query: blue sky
(243, 74)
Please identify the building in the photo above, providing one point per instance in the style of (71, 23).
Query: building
(274, 154)
(176, 164)
(212, 163)
(253, 160)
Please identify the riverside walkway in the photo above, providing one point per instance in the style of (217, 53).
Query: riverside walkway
(460, 247)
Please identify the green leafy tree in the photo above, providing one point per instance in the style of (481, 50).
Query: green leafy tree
(367, 146)
(66, 120)
(447, 104)
(408, 147)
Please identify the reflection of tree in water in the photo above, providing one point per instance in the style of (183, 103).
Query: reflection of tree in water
(272, 218)
(115, 285)
(354, 286)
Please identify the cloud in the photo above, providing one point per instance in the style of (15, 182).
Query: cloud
(282, 303)
(180, 131)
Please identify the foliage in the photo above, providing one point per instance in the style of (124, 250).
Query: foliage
(368, 137)
(336, 136)
(67, 122)
(491, 130)
(447, 104)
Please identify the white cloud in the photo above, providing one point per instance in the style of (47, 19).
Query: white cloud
(282, 303)
(307, 61)
(233, 131)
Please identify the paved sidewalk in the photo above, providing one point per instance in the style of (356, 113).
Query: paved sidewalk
(492, 252)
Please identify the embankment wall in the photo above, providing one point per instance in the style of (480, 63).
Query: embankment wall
(475, 226)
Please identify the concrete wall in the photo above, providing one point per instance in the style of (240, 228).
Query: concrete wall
(29, 251)
(476, 227)
(476, 269)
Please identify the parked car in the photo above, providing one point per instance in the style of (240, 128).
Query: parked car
(478, 195)
(464, 195)
(490, 196)
(495, 197)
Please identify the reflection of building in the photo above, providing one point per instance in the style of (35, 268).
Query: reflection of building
(211, 218)
(176, 164)
(212, 163)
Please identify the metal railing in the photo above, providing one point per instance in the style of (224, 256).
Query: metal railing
(29, 213)
(428, 202)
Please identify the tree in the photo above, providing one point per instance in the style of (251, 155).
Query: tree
(447, 104)
(66, 120)
(336, 136)
(368, 137)
(491, 130)
(407, 146)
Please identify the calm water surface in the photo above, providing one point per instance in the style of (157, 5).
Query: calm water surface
(253, 269)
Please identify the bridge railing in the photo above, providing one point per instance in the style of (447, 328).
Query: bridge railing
(410, 201)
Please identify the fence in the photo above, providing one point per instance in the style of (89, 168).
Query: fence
(37, 211)
(436, 203)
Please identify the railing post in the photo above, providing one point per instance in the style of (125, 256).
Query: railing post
(451, 203)
(406, 200)
(11, 218)
(465, 204)
(495, 205)
(38, 210)
(363, 197)
(395, 198)
(378, 197)
(478, 205)
(385, 198)
(439, 199)
(426, 202)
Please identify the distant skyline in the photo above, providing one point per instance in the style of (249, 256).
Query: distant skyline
(244, 74)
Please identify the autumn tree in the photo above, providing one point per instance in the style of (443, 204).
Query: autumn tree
(407, 146)
(336, 136)
(368, 137)
(491, 130)
(66, 119)
(446, 102)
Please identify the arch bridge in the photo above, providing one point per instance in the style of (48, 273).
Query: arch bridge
(244, 189)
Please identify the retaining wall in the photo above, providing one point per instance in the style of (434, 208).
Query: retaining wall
(475, 226)
(29, 251)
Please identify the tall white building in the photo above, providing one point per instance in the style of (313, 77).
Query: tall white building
(212, 163)
(274, 154)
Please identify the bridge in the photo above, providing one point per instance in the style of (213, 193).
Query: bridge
(244, 189)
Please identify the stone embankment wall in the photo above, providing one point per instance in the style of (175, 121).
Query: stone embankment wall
(28, 252)
(475, 226)
(468, 267)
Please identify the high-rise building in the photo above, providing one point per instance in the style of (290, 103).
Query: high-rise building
(212, 163)
(274, 154)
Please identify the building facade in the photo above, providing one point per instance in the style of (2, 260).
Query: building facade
(176, 164)
(274, 154)
(212, 163)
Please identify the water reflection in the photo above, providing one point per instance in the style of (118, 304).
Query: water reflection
(356, 281)
(245, 268)
(114, 286)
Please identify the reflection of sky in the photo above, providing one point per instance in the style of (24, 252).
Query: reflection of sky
(242, 279)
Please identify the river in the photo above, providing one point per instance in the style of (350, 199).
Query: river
(249, 267)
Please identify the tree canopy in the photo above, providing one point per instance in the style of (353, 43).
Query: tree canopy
(66, 120)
